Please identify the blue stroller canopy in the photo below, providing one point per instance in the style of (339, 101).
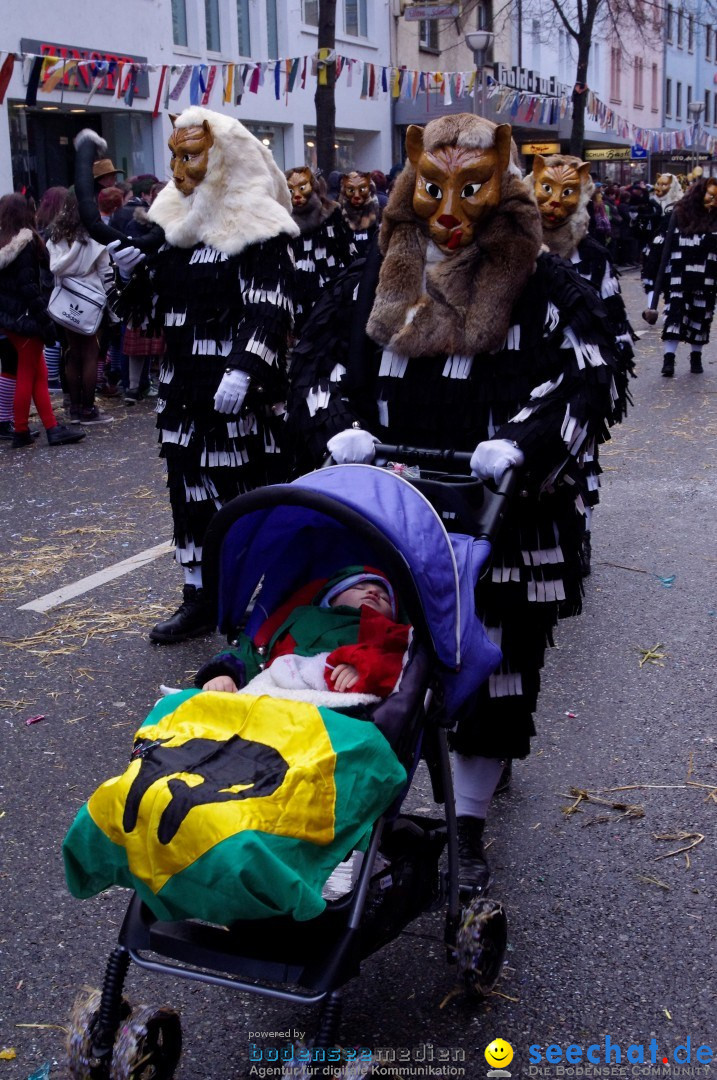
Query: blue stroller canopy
(293, 540)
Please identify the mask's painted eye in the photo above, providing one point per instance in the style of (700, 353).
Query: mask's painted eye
(567, 192)
(470, 190)
(433, 190)
(547, 189)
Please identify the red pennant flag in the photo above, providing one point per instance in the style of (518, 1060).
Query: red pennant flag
(155, 111)
(6, 74)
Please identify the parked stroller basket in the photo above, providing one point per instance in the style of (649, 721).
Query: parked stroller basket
(338, 516)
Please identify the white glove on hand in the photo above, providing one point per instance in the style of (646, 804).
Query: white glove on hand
(231, 392)
(352, 447)
(125, 258)
(491, 459)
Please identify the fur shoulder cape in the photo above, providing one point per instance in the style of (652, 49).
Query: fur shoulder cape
(12, 249)
(466, 303)
(244, 198)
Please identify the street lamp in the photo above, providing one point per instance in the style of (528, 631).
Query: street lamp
(695, 109)
(479, 41)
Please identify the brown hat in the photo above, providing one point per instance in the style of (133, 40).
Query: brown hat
(104, 167)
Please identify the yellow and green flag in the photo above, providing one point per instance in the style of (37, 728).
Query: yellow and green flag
(233, 807)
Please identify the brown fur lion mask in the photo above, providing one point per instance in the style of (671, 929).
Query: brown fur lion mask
(460, 303)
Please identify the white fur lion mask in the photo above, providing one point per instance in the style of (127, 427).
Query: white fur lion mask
(243, 199)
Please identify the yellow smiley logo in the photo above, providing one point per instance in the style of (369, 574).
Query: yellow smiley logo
(499, 1053)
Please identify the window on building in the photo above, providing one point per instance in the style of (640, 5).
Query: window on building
(272, 29)
(707, 107)
(179, 22)
(310, 12)
(678, 101)
(483, 15)
(668, 97)
(428, 34)
(680, 28)
(214, 37)
(355, 18)
(714, 108)
(691, 33)
(670, 23)
(615, 73)
(708, 43)
(638, 77)
(535, 44)
(655, 89)
(244, 31)
(689, 99)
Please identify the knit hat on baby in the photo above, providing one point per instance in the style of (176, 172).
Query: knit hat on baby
(356, 575)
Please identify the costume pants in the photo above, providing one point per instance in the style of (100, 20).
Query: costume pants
(31, 382)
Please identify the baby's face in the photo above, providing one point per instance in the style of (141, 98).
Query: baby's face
(371, 593)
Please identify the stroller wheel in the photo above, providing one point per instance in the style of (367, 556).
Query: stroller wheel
(80, 1061)
(148, 1046)
(480, 944)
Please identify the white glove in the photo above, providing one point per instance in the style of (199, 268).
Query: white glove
(231, 392)
(354, 446)
(125, 258)
(491, 459)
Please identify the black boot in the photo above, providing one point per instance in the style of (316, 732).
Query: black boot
(191, 619)
(586, 550)
(506, 778)
(696, 363)
(59, 435)
(668, 365)
(473, 868)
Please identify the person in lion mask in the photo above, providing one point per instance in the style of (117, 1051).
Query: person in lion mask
(218, 281)
(466, 334)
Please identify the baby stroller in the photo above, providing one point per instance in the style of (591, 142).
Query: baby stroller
(431, 536)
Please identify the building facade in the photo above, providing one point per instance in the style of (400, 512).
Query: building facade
(199, 37)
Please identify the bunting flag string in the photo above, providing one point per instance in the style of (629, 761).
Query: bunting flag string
(47, 73)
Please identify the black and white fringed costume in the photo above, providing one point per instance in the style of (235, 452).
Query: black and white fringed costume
(592, 261)
(690, 282)
(499, 341)
(652, 252)
(324, 247)
(221, 289)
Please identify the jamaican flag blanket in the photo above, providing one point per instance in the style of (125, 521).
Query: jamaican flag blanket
(233, 807)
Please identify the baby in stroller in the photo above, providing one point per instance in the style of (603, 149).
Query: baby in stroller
(341, 635)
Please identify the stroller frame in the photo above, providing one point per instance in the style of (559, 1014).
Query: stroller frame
(237, 957)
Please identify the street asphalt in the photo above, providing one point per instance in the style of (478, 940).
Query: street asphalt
(610, 895)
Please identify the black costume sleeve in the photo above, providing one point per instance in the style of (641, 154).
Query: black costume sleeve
(566, 417)
(266, 283)
(331, 378)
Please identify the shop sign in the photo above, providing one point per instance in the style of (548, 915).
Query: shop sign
(432, 11)
(531, 81)
(542, 148)
(686, 157)
(609, 153)
(81, 79)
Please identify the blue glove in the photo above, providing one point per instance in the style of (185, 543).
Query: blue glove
(493, 457)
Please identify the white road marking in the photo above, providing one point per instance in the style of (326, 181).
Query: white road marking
(60, 596)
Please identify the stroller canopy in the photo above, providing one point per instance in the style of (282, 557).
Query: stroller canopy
(288, 534)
